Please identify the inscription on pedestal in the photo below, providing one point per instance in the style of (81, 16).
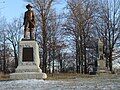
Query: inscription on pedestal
(27, 54)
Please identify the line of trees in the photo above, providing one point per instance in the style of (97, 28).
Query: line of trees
(70, 39)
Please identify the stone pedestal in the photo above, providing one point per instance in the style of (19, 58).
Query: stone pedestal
(28, 63)
(101, 59)
(101, 66)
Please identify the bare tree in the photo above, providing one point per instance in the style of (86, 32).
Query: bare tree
(54, 38)
(14, 31)
(109, 27)
(5, 47)
(79, 25)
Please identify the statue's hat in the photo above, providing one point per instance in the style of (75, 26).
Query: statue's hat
(27, 6)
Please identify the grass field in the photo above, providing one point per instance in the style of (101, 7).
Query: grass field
(67, 76)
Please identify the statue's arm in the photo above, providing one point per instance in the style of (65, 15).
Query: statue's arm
(24, 18)
(33, 17)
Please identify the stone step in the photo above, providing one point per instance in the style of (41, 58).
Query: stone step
(27, 75)
(27, 68)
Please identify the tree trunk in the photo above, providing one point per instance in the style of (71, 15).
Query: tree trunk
(81, 53)
(44, 57)
(61, 66)
(77, 57)
(53, 57)
(16, 60)
(49, 62)
(44, 36)
(44, 50)
(110, 61)
(85, 68)
(15, 55)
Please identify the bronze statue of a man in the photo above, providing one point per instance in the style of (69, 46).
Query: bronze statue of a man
(29, 22)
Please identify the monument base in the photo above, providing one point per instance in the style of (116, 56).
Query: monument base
(28, 72)
(102, 67)
(29, 61)
(27, 75)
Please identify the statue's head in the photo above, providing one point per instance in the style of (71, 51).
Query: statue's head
(29, 6)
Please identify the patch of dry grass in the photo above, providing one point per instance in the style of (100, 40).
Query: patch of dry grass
(4, 76)
(62, 76)
(71, 76)
(66, 76)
